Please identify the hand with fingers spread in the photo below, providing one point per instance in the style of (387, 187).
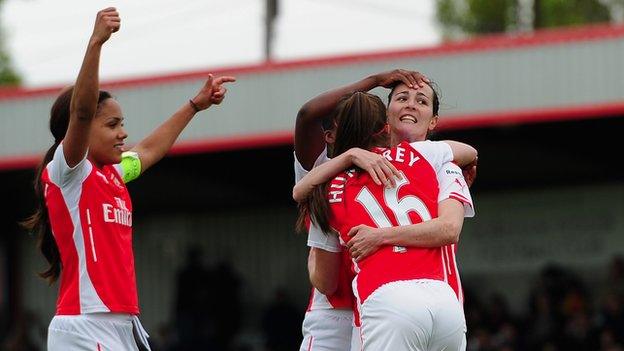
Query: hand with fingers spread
(107, 22)
(412, 79)
(364, 241)
(213, 92)
(380, 169)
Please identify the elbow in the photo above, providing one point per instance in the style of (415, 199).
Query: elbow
(451, 231)
(324, 286)
(298, 194)
(303, 112)
(473, 155)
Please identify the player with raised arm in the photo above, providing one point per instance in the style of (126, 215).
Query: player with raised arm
(84, 218)
(328, 323)
(387, 207)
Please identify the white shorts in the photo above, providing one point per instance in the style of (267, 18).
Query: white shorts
(97, 332)
(356, 339)
(413, 315)
(327, 330)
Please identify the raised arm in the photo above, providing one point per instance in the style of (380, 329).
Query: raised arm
(85, 95)
(157, 144)
(309, 135)
(380, 169)
(440, 231)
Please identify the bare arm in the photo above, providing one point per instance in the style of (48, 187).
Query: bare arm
(309, 137)
(440, 231)
(380, 169)
(323, 268)
(157, 144)
(86, 90)
(463, 154)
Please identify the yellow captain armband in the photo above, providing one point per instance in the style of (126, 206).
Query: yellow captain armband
(130, 166)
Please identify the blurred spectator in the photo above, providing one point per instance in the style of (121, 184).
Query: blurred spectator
(163, 339)
(281, 324)
(192, 302)
(25, 334)
(615, 282)
(225, 304)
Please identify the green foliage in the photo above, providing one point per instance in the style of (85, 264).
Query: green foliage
(459, 17)
(8, 76)
(487, 16)
(557, 13)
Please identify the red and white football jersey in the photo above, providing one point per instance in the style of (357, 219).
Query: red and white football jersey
(453, 186)
(91, 218)
(343, 297)
(355, 199)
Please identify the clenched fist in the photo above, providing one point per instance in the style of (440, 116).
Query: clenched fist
(106, 23)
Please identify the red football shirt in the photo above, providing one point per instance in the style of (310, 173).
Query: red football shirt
(91, 218)
(355, 199)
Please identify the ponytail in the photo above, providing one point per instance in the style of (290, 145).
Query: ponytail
(39, 224)
(360, 122)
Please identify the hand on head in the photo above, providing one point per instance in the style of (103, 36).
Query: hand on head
(106, 23)
(213, 92)
(410, 78)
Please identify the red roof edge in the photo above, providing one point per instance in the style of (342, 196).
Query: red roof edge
(280, 138)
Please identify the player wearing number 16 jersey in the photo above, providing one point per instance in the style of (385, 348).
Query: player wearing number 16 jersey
(392, 307)
(401, 291)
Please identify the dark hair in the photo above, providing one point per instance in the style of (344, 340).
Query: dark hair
(361, 122)
(39, 222)
(436, 98)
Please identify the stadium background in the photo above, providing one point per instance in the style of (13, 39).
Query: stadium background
(544, 109)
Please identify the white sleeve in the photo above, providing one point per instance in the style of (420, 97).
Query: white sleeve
(318, 239)
(61, 174)
(436, 153)
(453, 186)
(301, 172)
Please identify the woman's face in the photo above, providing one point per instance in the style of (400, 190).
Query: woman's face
(106, 141)
(410, 113)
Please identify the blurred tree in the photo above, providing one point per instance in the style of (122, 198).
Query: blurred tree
(466, 17)
(8, 76)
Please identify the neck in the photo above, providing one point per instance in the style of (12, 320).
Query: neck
(396, 139)
(95, 163)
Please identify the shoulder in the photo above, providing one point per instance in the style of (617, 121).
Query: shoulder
(336, 187)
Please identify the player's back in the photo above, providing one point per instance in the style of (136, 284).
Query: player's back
(355, 199)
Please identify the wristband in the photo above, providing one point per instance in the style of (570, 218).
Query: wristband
(194, 106)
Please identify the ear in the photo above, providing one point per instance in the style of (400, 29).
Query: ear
(433, 123)
(330, 136)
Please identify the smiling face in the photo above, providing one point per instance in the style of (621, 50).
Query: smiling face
(106, 141)
(411, 113)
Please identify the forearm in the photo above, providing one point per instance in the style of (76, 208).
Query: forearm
(309, 138)
(321, 174)
(83, 106)
(323, 105)
(442, 230)
(433, 233)
(463, 154)
(323, 268)
(156, 145)
(86, 90)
